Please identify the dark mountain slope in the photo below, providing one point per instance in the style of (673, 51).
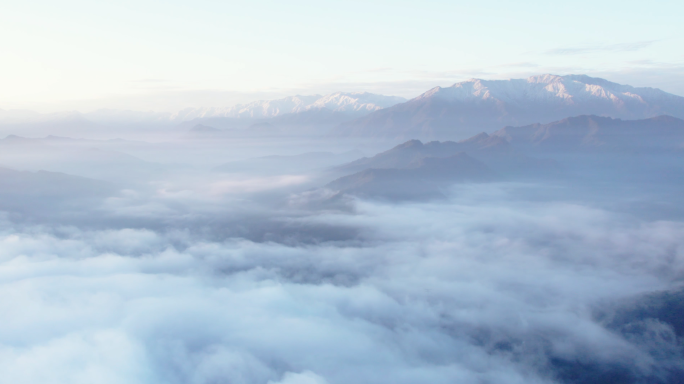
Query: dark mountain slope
(424, 177)
(493, 151)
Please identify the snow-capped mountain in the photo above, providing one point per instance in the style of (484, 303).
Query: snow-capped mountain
(312, 114)
(477, 105)
(571, 90)
(356, 102)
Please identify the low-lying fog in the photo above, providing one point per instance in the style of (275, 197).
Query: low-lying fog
(228, 260)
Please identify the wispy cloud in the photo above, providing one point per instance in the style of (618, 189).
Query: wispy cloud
(621, 47)
(517, 65)
(149, 81)
(376, 70)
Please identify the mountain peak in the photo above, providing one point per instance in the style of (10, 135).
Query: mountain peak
(411, 144)
(545, 78)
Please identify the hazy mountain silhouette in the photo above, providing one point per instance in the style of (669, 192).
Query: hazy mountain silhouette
(73, 156)
(42, 193)
(50, 184)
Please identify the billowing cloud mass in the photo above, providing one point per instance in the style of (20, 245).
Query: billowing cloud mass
(479, 288)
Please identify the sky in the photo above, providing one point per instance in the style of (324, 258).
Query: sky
(168, 55)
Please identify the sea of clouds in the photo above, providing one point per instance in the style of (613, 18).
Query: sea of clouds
(481, 287)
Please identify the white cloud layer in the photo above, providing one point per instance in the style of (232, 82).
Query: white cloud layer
(477, 289)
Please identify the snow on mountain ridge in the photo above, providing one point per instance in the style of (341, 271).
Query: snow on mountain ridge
(570, 89)
(474, 105)
(337, 102)
(355, 101)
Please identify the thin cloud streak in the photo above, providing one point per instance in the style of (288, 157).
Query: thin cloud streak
(621, 47)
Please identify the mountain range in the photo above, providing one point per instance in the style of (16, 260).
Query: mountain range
(477, 105)
(442, 113)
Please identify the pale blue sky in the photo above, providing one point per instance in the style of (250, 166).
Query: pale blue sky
(165, 55)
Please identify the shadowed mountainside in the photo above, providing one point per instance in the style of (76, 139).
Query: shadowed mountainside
(583, 148)
(598, 133)
(493, 151)
(423, 177)
(414, 169)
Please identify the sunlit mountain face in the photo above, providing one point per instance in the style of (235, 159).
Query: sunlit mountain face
(475, 105)
(335, 193)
